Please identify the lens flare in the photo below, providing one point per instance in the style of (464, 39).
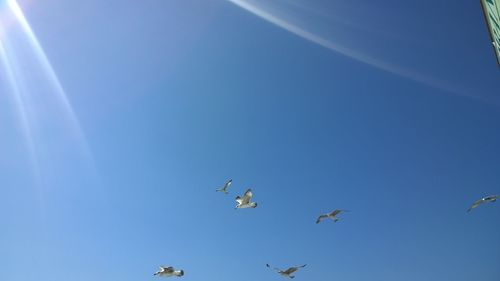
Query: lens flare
(20, 108)
(52, 131)
(303, 32)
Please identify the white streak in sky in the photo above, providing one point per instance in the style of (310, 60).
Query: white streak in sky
(356, 55)
(20, 109)
(48, 121)
(47, 67)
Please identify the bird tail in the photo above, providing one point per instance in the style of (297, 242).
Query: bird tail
(179, 273)
(292, 276)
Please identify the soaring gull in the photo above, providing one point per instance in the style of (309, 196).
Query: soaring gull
(245, 201)
(287, 273)
(224, 188)
(168, 271)
(332, 215)
(491, 199)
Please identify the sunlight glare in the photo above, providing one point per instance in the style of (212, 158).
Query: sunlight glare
(311, 36)
(47, 118)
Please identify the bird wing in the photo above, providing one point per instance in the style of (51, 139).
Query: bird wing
(475, 204)
(320, 218)
(336, 212)
(491, 198)
(247, 196)
(275, 268)
(167, 269)
(293, 269)
(290, 270)
(226, 185)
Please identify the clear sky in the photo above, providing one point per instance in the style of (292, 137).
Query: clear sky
(119, 119)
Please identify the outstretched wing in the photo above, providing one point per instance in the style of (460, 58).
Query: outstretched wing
(336, 212)
(290, 270)
(167, 269)
(475, 204)
(226, 185)
(293, 269)
(320, 218)
(275, 268)
(491, 198)
(247, 196)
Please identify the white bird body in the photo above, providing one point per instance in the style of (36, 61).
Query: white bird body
(168, 271)
(287, 273)
(244, 202)
(333, 215)
(487, 199)
(225, 187)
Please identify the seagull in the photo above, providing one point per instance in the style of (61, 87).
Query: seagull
(245, 201)
(224, 188)
(289, 271)
(332, 215)
(492, 198)
(168, 271)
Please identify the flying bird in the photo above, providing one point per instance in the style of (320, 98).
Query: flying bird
(492, 198)
(224, 188)
(287, 273)
(168, 272)
(332, 215)
(245, 201)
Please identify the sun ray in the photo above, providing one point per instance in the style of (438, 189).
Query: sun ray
(14, 87)
(48, 120)
(350, 53)
(47, 67)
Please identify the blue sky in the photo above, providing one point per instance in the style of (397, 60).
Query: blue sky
(114, 173)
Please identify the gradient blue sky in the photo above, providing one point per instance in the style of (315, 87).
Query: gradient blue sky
(169, 99)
